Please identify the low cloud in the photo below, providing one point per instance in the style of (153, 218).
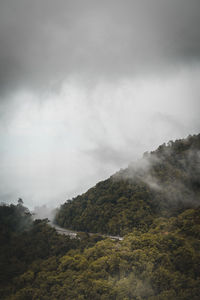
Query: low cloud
(175, 182)
(52, 150)
(88, 86)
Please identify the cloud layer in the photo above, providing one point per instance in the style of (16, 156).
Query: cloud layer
(44, 42)
(88, 86)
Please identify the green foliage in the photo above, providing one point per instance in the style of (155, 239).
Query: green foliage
(165, 183)
(158, 264)
(158, 259)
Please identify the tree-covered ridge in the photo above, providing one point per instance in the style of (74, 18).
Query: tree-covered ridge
(160, 264)
(154, 204)
(164, 183)
(25, 242)
(15, 218)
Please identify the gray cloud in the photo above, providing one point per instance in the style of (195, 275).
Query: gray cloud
(44, 42)
(54, 148)
(88, 86)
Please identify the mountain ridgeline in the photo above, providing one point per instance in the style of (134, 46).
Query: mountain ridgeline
(154, 204)
(164, 183)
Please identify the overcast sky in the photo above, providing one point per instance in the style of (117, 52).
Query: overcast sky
(87, 86)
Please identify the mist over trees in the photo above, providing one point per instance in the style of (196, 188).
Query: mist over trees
(163, 183)
(154, 204)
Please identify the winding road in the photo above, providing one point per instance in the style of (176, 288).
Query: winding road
(73, 234)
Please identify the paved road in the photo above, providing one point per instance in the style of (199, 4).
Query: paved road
(64, 231)
(73, 234)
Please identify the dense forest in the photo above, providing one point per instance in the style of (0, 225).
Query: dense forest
(163, 183)
(26, 246)
(154, 204)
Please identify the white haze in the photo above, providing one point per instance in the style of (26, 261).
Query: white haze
(52, 150)
(87, 86)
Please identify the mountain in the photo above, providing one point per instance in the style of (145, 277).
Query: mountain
(163, 183)
(154, 204)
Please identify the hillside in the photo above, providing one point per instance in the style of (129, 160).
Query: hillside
(161, 264)
(163, 183)
(154, 203)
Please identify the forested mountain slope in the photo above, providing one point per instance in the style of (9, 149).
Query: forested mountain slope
(161, 264)
(163, 183)
(156, 201)
(25, 244)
